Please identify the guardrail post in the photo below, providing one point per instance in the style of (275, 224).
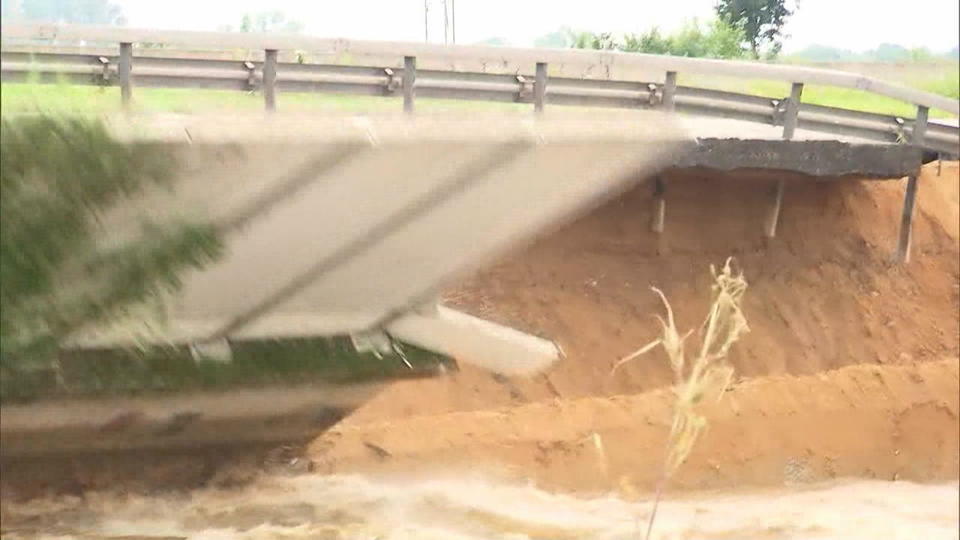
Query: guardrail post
(659, 205)
(910, 197)
(773, 216)
(792, 111)
(270, 79)
(125, 72)
(540, 87)
(789, 127)
(669, 91)
(409, 80)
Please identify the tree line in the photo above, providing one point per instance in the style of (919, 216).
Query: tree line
(109, 13)
(739, 29)
(715, 39)
(885, 52)
(67, 11)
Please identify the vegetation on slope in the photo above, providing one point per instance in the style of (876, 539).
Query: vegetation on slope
(58, 178)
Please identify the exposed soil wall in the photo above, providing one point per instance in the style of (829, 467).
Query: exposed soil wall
(823, 294)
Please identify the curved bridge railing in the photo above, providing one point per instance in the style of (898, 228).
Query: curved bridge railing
(271, 64)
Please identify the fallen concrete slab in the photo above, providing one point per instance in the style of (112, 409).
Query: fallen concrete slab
(339, 232)
(341, 225)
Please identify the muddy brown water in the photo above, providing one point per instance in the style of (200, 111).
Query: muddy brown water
(470, 507)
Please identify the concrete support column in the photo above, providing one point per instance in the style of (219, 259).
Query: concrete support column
(789, 127)
(659, 205)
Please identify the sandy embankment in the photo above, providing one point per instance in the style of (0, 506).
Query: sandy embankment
(850, 368)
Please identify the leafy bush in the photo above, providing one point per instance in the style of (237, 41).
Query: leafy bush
(689, 41)
(588, 40)
(717, 40)
(58, 178)
(725, 40)
(651, 42)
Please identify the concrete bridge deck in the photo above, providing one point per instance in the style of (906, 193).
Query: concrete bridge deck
(732, 144)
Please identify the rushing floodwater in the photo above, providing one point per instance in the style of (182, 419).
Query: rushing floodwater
(354, 507)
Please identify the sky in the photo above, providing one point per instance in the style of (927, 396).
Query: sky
(850, 24)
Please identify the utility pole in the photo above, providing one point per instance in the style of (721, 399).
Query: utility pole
(426, 21)
(446, 23)
(453, 20)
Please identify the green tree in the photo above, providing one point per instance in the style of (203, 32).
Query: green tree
(725, 40)
(890, 52)
(762, 22)
(57, 179)
(588, 40)
(68, 11)
(689, 41)
(718, 40)
(920, 54)
(269, 21)
(246, 24)
(651, 42)
(559, 39)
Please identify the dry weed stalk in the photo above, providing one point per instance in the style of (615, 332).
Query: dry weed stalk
(702, 379)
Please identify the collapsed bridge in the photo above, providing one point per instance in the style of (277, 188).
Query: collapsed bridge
(342, 231)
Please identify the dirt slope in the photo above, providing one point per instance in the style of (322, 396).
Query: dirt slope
(884, 422)
(824, 297)
(823, 294)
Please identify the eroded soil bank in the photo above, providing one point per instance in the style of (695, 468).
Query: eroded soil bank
(849, 377)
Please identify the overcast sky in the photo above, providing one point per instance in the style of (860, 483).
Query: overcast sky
(850, 24)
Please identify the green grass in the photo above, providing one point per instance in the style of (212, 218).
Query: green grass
(947, 84)
(844, 98)
(59, 98)
(162, 370)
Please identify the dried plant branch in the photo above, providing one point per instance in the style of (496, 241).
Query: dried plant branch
(709, 374)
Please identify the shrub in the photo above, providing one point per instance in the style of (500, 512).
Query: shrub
(718, 40)
(58, 177)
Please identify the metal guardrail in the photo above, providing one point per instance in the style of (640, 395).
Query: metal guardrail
(78, 67)
(514, 56)
(22, 61)
(83, 66)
